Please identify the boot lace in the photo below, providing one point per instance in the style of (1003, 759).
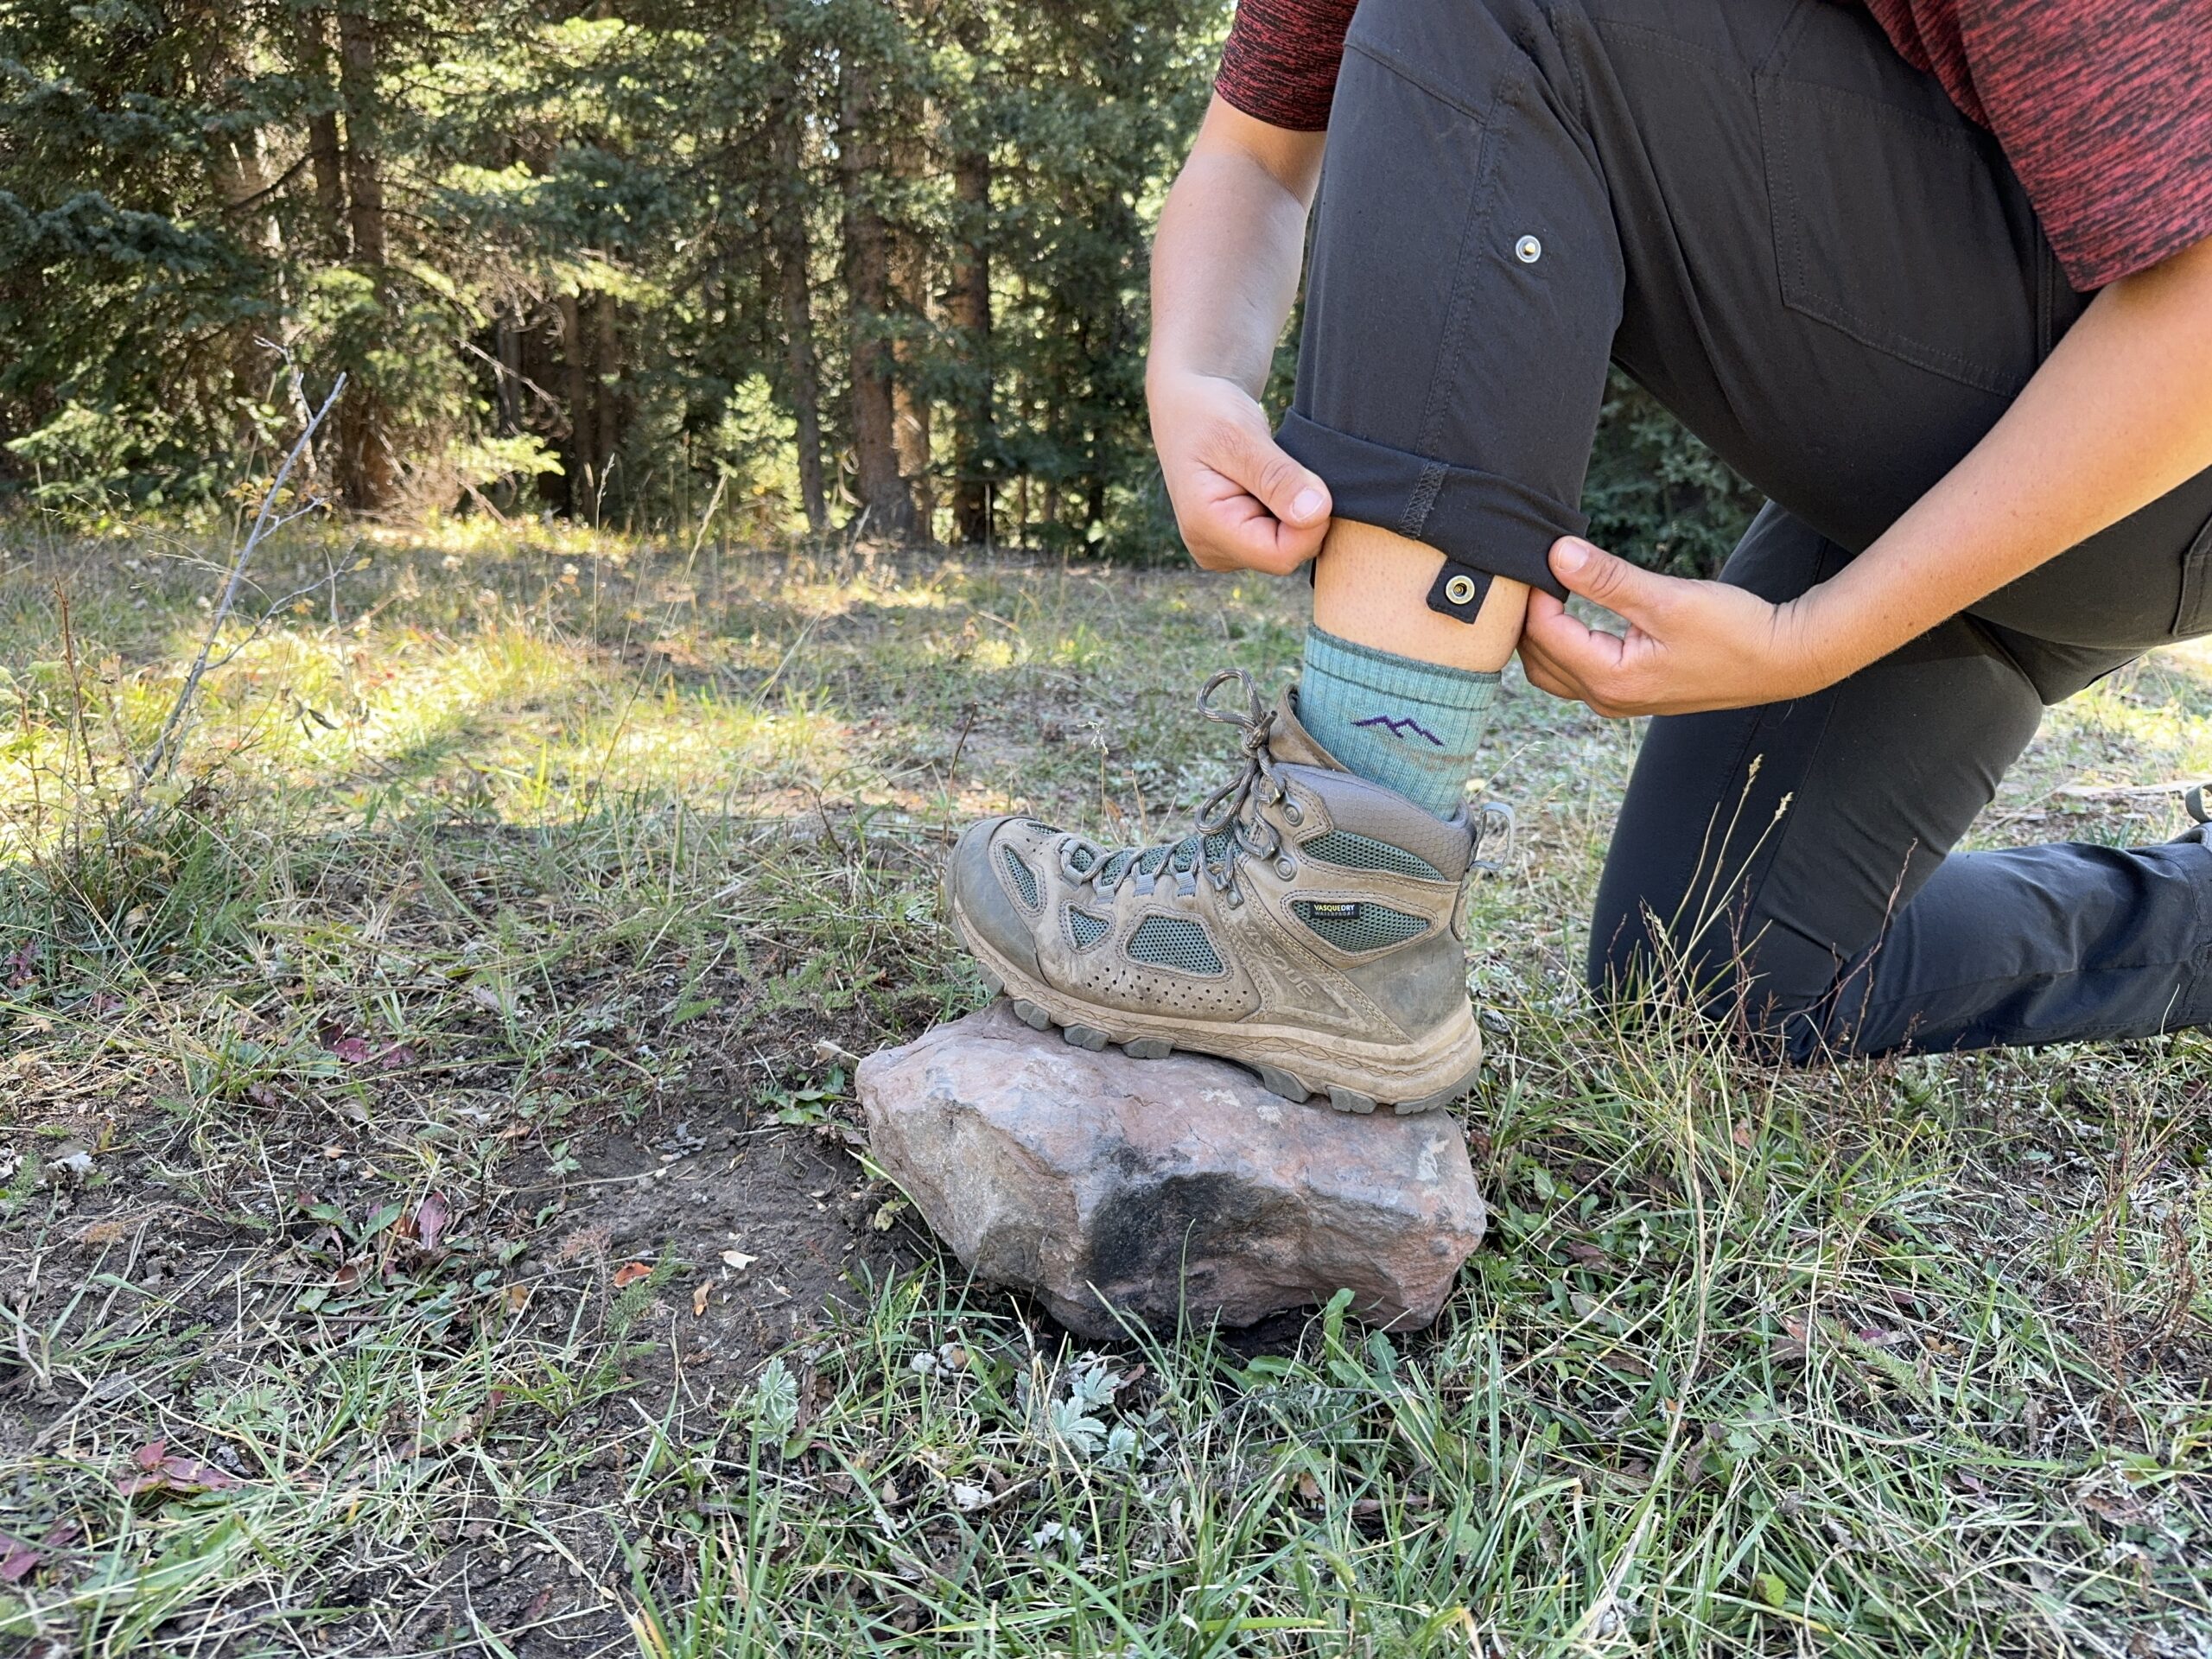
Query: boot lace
(1231, 823)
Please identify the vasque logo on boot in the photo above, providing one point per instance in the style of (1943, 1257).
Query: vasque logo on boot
(1305, 928)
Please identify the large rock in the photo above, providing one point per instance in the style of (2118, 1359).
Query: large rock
(1094, 1179)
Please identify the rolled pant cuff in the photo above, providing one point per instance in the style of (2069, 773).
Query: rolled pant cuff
(1484, 525)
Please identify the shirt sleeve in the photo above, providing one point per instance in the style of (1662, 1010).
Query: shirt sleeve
(2105, 108)
(1279, 64)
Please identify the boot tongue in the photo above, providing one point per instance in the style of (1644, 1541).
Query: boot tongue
(1360, 806)
(1289, 742)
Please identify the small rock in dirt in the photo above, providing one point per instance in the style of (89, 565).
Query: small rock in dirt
(1097, 1181)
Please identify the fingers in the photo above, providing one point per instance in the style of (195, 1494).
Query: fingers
(1240, 502)
(1298, 499)
(1628, 590)
(1571, 660)
(1230, 530)
(1254, 508)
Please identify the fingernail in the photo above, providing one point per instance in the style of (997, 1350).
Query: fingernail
(1309, 503)
(1569, 556)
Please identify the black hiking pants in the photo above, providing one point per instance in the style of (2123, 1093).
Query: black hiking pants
(1793, 240)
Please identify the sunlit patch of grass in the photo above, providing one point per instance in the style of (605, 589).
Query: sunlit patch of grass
(2110, 765)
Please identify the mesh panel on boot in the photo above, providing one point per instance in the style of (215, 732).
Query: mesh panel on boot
(1024, 878)
(1356, 927)
(1084, 929)
(1171, 942)
(1351, 852)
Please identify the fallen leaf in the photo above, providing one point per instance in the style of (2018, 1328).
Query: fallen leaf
(629, 1272)
(516, 1297)
(430, 1217)
(1309, 1490)
(160, 1469)
(738, 1261)
(1792, 1346)
(699, 1301)
(2121, 1511)
(16, 1559)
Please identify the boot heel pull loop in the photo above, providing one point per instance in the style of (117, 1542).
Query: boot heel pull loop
(1500, 814)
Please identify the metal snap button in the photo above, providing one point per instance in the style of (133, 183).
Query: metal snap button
(1460, 589)
(1527, 249)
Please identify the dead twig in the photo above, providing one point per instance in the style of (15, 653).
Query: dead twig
(161, 759)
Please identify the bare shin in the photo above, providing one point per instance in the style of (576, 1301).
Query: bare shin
(1370, 586)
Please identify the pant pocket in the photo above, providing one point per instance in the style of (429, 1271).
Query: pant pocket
(2194, 615)
(1894, 220)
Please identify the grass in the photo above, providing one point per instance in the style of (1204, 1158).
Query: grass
(427, 1175)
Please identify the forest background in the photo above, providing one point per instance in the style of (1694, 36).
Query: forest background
(825, 264)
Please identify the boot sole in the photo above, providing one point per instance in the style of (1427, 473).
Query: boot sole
(1289, 1063)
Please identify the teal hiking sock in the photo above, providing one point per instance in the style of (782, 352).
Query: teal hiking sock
(1409, 726)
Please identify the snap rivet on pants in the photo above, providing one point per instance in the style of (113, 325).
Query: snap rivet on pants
(1527, 249)
(1459, 589)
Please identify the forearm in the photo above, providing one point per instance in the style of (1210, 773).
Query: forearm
(1225, 260)
(2120, 413)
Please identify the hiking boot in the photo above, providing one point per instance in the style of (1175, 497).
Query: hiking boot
(2200, 831)
(1311, 929)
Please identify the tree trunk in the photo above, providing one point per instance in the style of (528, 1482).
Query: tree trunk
(607, 385)
(583, 470)
(357, 79)
(968, 307)
(796, 286)
(507, 340)
(806, 380)
(237, 172)
(911, 427)
(884, 498)
(325, 157)
(909, 431)
(366, 466)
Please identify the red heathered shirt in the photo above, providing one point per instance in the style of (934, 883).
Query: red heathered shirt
(2103, 106)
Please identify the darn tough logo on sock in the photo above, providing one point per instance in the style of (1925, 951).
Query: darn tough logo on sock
(1399, 725)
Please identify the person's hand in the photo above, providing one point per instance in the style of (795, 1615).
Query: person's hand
(1241, 503)
(1690, 646)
